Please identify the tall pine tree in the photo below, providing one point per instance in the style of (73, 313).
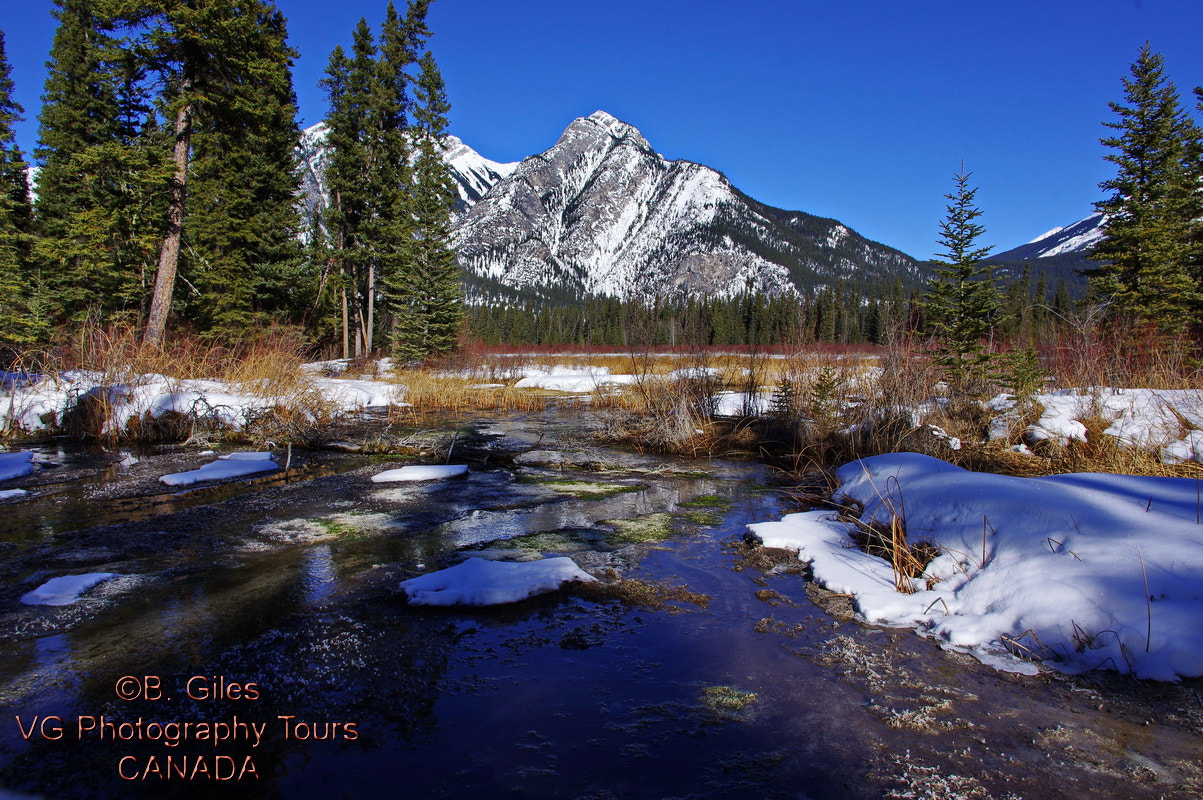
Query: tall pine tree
(427, 295)
(1150, 253)
(228, 101)
(242, 254)
(16, 324)
(98, 210)
(390, 197)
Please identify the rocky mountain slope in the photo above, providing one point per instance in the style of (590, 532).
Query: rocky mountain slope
(601, 213)
(1078, 238)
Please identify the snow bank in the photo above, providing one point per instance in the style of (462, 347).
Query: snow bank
(233, 465)
(421, 472)
(1052, 568)
(65, 590)
(43, 404)
(1158, 419)
(737, 404)
(14, 465)
(477, 582)
(568, 379)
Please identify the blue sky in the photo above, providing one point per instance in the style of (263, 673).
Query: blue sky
(860, 110)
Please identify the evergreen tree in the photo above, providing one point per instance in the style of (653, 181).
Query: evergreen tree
(98, 208)
(962, 300)
(228, 95)
(15, 220)
(1150, 253)
(391, 197)
(243, 256)
(427, 295)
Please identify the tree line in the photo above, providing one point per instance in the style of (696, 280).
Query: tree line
(846, 313)
(167, 182)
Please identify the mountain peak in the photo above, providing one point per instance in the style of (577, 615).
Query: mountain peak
(600, 122)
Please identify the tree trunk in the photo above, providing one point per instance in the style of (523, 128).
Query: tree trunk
(346, 327)
(367, 335)
(169, 253)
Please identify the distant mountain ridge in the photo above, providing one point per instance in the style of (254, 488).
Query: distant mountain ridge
(602, 213)
(1078, 238)
(1061, 255)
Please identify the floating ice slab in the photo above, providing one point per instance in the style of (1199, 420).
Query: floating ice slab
(232, 465)
(14, 465)
(65, 590)
(9, 494)
(477, 582)
(421, 472)
(246, 457)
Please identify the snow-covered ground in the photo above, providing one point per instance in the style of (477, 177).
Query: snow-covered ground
(14, 465)
(43, 404)
(1166, 420)
(421, 472)
(571, 379)
(1080, 572)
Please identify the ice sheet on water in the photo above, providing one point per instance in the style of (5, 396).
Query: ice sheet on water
(231, 465)
(478, 582)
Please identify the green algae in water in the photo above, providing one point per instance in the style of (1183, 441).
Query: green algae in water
(652, 528)
(569, 540)
(727, 698)
(337, 527)
(707, 501)
(587, 489)
(704, 518)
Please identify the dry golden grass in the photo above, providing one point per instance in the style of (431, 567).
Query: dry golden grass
(427, 391)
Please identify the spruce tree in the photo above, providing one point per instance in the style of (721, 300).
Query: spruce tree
(229, 103)
(243, 256)
(16, 326)
(1150, 250)
(98, 209)
(962, 301)
(427, 294)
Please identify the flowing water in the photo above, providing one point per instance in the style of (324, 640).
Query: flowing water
(267, 611)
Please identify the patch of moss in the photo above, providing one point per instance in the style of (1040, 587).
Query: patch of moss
(592, 489)
(567, 540)
(707, 501)
(651, 528)
(727, 698)
(336, 527)
(707, 518)
(637, 593)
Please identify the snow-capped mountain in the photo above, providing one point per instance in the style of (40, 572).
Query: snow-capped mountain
(1078, 238)
(602, 212)
(473, 174)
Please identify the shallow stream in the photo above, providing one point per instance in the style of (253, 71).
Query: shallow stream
(699, 667)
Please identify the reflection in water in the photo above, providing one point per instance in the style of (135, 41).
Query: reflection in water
(319, 575)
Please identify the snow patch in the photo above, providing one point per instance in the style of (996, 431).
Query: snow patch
(65, 590)
(233, 465)
(14, 465)
(1051, 568)
(477, 582)
(421, 472)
